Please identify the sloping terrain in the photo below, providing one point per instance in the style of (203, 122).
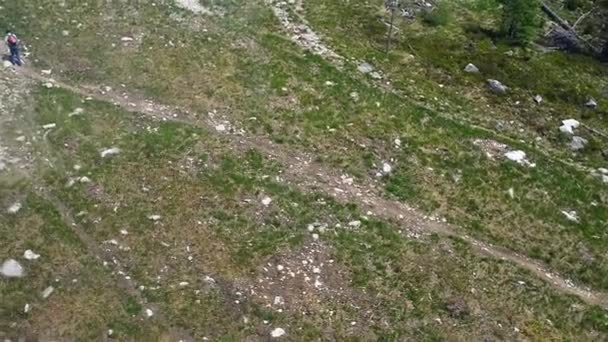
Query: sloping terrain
(251, 170)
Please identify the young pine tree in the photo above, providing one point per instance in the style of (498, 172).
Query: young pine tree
(521, 20)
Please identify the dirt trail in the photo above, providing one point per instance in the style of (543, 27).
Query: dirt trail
(303, 172)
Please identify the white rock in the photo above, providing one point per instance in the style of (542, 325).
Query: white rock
(84, 180)
(149, 313)
(397, 142)
(516, 156)
(220, 128)
(266, 201)
(124, 232)
(110, 152)
(355, 224)
(110, 332)
(49, 126)
(27, 308)
(76, 112)
(603, 171)
(48, 85)
(65, 33)
(387, 168)
(280, 268)
(471, 68)
(278, 332)
(571, 215)
(316, 270)
(315, 236)
(20, 138)
(184, 283)
(13, 209)
(605, 178)
(511, 192)
(46, 72)
(47, 292)
(11, 269)
(538, 99)
(591, 103)
(568, 126)
(30, 255)
(154, 217)
(126, 39)
(365, 68)
(278, 300)
(7, 64)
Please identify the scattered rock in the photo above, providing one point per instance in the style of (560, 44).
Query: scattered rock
(49, 126)
(397, 143)
(20, 138)
(27, 308)
(266, 201)
(46, 72)
(11, 269)
(13, 209)
(278, 300)
(30, 255)
(65, 33)
(571, 215)
(519, 157)
(126, 39)
(355, 224)
(48, 85)
(578, 143)
(365, 68)
(278, 332)
(220, 128)
(47, 292)
(569, 125)
(149, 313)
(76, 112)
(471, 68)
(497, 87)
(591, 103)
(110, 152)
(387, 168)
(154, 217)
(538, 99)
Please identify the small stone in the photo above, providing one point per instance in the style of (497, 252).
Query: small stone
(387, 168)
(538, 99)
(315, 236)
(110, 332)
(471, 68)
(511, 193)
(76, 112)
(126, 39)
(278, 332)
(497, 87)
(591, 103)
(11, 269)
(397, 143)
(280, 268)
(110, 152)
(569, 125)
(7, 64)
(84, 180)
(48, 85)
(578, 143)
(316, 270)
(20, 138)
(46, 72)
(220, 128)
(278, 300)
(65, 33)
(266, 201)
(365, 68)
(47, 292)
(154, 217)
(571, 215)
(184, 283)
(149, 313)
(49, 126)
(27, 308)
(13, 209)
(355, 224)
(30, 255)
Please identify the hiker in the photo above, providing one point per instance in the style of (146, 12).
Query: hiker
(12, 42)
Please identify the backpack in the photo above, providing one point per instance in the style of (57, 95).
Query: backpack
(12, 39)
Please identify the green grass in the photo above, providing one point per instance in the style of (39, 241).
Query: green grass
(404, 285)
(209, 193)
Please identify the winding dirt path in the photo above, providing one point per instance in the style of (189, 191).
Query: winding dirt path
(304, 173)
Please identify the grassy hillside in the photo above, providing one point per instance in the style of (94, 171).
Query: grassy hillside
(190, 231)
